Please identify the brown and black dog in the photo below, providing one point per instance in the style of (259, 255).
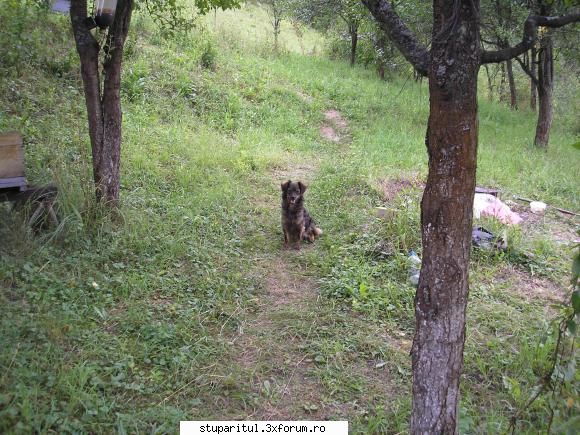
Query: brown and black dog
(296, 222)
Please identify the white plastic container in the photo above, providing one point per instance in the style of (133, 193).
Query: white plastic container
(414, 268)
(538, 207)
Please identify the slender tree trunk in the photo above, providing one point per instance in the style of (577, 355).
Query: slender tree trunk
(380, 48)
(88, 49)
(103, 107)
(353, 30)
(533, 63)
(489, 84)
(502, 92)
(112, 113)
(512, 85)
(299, 34)
(446, 217)
(277, 22)
(545, 88)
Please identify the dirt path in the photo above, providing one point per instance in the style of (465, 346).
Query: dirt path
(298, 356)
(272, 342)
(335, 127)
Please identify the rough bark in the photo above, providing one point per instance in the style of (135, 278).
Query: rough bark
(112, 113)
(88, 50)
(103, 107)
(446, 216)
(545, 90)
(447, 205)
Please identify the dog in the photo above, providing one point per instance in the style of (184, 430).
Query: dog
(296, 222)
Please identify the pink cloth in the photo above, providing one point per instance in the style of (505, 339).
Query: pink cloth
(485, 204)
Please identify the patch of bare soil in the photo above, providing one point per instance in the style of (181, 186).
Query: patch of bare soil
(334, 117)
(270, 354)
(532, 287)
(334, 127)
(561, 228)
(329, 133)
(285, 287)
(302, 172)
(391, 188)
(305, 97)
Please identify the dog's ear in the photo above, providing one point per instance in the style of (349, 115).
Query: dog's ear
(285, 186)
(302, 187)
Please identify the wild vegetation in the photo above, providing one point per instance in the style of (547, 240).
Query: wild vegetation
(183, 304)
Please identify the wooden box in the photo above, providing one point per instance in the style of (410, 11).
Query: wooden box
(11, 161)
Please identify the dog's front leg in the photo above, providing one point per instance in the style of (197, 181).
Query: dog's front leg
(299, 241)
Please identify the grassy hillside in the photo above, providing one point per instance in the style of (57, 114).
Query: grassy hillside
(185, 306)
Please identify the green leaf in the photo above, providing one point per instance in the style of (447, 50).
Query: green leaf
(576, 301)
(363, 290)
(571, 324)
(576, 269)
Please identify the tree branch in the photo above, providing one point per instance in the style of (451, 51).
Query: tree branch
(529, 38)
(528, 71)
(400, 34)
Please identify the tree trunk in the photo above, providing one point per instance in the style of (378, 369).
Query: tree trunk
(446, 217)
(533, 63)
(353, 30)
(276, 24)
(103, 107)
(489, 84)
(381, 55)
(502, 82)
(88, 49)
(545, 87)
(512, 85)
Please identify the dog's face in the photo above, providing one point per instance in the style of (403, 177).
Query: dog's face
(292, 192)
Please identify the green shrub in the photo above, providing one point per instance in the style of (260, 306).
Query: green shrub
(208, 58)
